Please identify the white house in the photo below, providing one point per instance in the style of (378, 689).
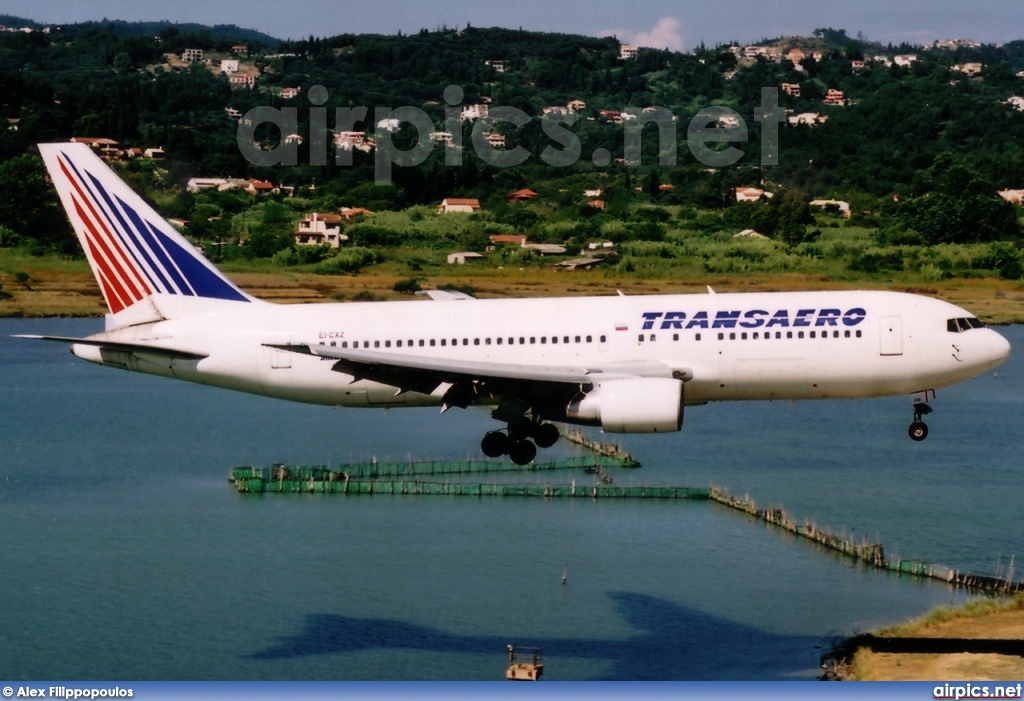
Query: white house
(229, 66)
(318, 229)
(751, 194)
(456, 204)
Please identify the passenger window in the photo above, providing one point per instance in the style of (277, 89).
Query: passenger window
(554, 339)
(858, 334)
(812, 334)
(577, 339)
(789, 334)
(743, 336)
(333, 343)
(533, 339)
(476, 342)
(641, 339)
(847, 333)
(604, 339)
(675, 337)
(799, 334)
(721, 336)
(755, 336)
(697, 337)
(543, 339)
(444, 341)
(565, 340)
(589, 339)
(431, 343)
(366, 344)
(732, 336)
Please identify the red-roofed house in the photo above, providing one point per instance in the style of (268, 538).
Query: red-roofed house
(259, 187)
(514, 239)
(524, 194)
(456, 204)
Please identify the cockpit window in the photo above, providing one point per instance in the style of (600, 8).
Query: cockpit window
(964, 324)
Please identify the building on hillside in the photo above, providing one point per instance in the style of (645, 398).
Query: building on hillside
(904, 59)
(239, 80)
(259, 187)
(511, 239)
(522, 195)
(349, 139)
(442, 138)
(458, 204)
(190, 55)
(473, 112)
(463, 257)
(751, 194)
(351, 213)
(495, 140)
(497, 65)
(842, 207)
(835, 98)
(577, 105)
(154, 154)
(290, 93)
(791, 89)
(1012, 196)
(628, 51)
(199, 184)
(809, 119)
(320, 229)
(968, 69)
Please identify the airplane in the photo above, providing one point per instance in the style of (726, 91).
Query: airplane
(627, 364)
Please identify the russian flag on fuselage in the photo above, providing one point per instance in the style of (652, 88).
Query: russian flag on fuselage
(133, 251)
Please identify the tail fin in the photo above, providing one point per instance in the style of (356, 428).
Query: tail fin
(133, 251)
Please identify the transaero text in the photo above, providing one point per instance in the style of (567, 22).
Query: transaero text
(754, 319)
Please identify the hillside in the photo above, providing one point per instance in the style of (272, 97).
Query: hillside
(903, 148)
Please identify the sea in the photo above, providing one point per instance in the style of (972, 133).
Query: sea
(125, 554)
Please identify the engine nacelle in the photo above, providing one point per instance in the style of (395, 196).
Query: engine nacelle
(634, 405)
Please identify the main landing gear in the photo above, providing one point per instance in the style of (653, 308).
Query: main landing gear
(918, 430)
(516, 443)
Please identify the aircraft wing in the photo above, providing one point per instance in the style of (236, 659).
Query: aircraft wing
(120, 346)
(413, 373)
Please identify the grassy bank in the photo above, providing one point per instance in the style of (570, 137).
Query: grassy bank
(982, 619)
(49, 286)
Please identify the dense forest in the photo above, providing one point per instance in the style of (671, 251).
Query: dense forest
(918, 151)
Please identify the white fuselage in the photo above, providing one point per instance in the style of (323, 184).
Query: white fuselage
(798, 345)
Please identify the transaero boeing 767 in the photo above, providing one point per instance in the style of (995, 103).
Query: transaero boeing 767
(628, 364)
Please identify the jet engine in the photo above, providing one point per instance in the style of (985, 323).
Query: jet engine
(631, 405)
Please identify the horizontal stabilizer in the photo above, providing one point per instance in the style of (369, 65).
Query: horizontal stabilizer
(119, 346)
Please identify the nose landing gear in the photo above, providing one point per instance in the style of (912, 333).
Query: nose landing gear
(918, 430)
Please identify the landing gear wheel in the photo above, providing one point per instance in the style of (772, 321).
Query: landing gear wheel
(546, 435)
(918, 430)
(495, 444)
(522, 452)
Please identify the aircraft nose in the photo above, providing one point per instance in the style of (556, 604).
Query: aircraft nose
(999, 348)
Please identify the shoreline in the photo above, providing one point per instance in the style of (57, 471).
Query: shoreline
(59, 293)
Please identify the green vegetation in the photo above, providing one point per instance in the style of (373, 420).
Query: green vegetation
(918, 152)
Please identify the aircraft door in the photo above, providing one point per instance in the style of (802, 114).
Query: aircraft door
(891, 336)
